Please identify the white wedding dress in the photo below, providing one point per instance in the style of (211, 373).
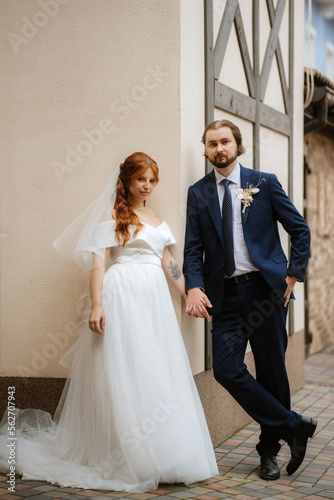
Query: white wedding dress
(130, 416)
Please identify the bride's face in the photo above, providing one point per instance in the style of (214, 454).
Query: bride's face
(141, 187)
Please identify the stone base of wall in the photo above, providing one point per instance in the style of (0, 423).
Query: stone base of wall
(224, 415)
(32, 392)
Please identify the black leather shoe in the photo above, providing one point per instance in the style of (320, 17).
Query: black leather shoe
(269, 469)
(298, 443)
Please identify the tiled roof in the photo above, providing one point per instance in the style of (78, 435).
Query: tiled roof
(321, 79)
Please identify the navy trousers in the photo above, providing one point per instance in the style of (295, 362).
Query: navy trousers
(251, 311)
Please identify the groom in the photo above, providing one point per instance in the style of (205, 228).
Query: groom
(235, 268)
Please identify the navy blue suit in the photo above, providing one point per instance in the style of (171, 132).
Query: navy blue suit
(252, 310)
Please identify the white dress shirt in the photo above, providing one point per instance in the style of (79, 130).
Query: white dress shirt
(243, 261)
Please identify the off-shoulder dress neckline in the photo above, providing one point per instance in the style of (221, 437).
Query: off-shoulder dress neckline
(145, 223)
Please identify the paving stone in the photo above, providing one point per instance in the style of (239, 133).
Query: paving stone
(47, 487)
(269, 491)
(103, 497)
(168, 496)
(60, 494)
(216, 486)
(328, 485)
(33, 483)
(10, 496)
(90, 493)
(257, 494)
(326, 494)
(232, 492)
(27, 493)
(119, 494)
(199, 491)
(21, 487)
(39, 496)
(218, 494)
(237, 459)
(309, 491)
(306, 479)
(141, 496)
(181, 494)
(203, 497)
(70, 490)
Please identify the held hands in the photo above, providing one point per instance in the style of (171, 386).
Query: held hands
(290, 281)
(96, 319)
(196, 304)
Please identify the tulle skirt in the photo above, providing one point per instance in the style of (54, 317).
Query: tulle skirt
(130, 416)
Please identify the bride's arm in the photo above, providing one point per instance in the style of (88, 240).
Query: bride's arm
(173, 272)
(96, 317)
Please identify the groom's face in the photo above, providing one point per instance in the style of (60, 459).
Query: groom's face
(221, 148)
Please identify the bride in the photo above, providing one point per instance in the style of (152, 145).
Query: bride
(130, 416)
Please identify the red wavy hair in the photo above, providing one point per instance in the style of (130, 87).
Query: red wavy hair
(134, 165)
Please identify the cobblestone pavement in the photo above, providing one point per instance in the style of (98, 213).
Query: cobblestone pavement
(237, 459)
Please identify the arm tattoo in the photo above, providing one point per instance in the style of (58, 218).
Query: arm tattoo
(175, 270)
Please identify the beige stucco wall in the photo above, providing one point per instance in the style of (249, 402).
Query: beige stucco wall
(84, 85)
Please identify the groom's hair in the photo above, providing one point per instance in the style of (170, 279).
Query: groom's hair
(234, 129)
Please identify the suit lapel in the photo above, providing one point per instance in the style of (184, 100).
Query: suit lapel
(247, 177)
(211, 196)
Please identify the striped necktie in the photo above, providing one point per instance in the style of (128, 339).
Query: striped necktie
(227, 219)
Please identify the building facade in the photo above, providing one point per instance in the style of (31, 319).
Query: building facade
(85, 86)
(319, 172)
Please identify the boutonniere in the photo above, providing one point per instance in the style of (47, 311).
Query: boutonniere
(245, 195)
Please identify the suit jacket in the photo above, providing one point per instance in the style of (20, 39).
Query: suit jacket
(204, 243)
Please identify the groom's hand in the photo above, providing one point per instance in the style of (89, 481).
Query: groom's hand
(290, 281)
(197, 303)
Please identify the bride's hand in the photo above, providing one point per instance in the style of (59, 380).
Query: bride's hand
(197, 303)
(96, 319)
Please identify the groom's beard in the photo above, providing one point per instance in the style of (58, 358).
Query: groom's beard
(223, 161)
